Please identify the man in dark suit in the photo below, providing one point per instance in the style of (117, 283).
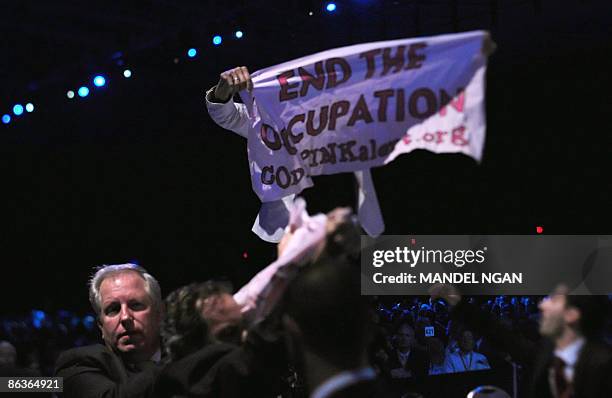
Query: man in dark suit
(328, 322)
(127, 302)
(214, 353)
(9, 368)
(577, 363)
(225, 345)
(571, 361)
(408, 363)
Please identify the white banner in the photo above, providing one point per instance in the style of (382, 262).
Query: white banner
(358, 107)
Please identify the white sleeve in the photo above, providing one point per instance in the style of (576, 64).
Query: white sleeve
(262, 293)
(230, 115)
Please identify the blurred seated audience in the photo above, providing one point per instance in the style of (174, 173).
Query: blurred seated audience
(466, 359)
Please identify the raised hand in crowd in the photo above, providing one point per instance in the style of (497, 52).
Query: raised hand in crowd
(447, 292)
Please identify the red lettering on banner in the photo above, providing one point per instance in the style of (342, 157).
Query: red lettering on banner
(439, 135)
(332, 76)
(308, 80)
(283, 80)
(458, 102)
(458, 136)
(337, 71)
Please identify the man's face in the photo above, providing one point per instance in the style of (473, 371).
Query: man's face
(221, 311)
(553, 312)
(128, 320)
(466, 343)
(555, 315)
(404, 338)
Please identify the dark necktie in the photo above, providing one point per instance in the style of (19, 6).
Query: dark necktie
(564, 388)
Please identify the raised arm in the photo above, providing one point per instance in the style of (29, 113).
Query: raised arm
(221, 106)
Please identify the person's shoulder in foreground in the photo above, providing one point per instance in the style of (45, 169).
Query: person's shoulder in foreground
(128, 307)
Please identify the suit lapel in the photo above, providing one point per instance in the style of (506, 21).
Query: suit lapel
(116, 367)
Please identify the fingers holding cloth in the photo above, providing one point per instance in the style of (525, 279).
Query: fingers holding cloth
(231, 82)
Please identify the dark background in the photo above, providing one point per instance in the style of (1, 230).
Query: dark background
(137, 171)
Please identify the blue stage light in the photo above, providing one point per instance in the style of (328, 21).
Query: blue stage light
(192, 52)
(127, 73)
(238, 34)
(217, 40)
(18, 109)
(29, 107)
(38, 317)
(6, 119)
(99, 81)
(330, 7)
(83, 91)
(89, 322)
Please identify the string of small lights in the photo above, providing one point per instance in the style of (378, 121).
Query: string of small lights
(99, 81)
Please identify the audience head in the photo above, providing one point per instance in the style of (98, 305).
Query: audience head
(584, 315)
(128, 305)
(404, 337)
(222, 313)
(488, 392)
(8, 354)
(324, 310)
(184, 330)
(466, 341)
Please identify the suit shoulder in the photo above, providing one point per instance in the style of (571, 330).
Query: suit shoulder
(598, 353)
(87, 355)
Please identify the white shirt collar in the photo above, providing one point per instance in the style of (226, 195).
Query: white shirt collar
(403, 354)
(569, 355)
(403, 357)
(342, 380)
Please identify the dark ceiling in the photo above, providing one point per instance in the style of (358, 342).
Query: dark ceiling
(138, 170)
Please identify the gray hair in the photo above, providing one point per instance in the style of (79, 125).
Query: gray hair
(104, 271)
